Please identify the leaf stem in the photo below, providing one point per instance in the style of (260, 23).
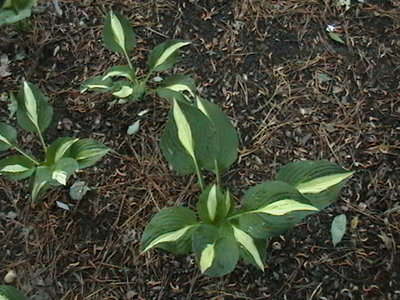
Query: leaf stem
(26, 155)
(199, 176)
(217, 174)
(42, 141)
(127, 58)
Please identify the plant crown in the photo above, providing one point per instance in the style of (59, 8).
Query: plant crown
(198, 136)
(62, 158)
(119, 37)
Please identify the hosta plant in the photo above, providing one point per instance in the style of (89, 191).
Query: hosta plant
(122, 81)
(199, 136)
(61, 159)
(12, 11)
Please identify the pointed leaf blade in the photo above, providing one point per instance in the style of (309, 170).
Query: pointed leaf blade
(165, 55)
(16, 167)
(8, 136)
(87, 152)
(180, 83)
(118, 35)
(247, 242)
(97, 84)
(120, 71)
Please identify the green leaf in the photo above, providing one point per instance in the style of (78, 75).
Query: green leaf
(320, 181)
(8, 292)
(212, 205)
(87, 152)
(33, 114)
(40, 182)
(261, 216)
(63, 169)
(227, 137)
(58, 149)
(172, 95)
(16, 167)
(8, 136)
(184, 131)
(15, 11)
(165, 55)
(334, 36)
(120, 71)
(180, 83)
(170, 230)
(201, 137)
(248, 243)
(217, 254)
(338, 228)
(124, 91)
(118, 35)
(97, 84)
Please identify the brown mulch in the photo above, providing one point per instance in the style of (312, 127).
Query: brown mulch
(291, 91)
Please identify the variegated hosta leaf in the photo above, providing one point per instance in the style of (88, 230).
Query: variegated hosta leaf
(217, 253)
(58, 149)
(202, 138)
(271, 208)
(170, 229)
(87, 152)
(63, 169)
(212, 205)
(40, 182)
(320, 181)
(165, 55)
(124, 91)
(33, 114)
(8, 136)
(226, 135)
(120, 71)
(180, 83)
(118, 35)
(97, 84)
(247, 242)
(184, 130)
(172, 95)
(16, 167)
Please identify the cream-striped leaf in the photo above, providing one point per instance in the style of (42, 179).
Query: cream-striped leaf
(248, 243)
(212, 203)
(320, 184)
(117, 30)
(207, 257)
(120, 71)
(30, 105)
(168, 237)
(124, 92)
(8, 136)
(164, 55)
(184, 131)
(284, 206)
(14, 169)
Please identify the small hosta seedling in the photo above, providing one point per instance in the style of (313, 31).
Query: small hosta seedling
(13, 11)
(122, 81)
(199, 136)
(62, 158)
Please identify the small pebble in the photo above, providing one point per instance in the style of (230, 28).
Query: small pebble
(10, 276)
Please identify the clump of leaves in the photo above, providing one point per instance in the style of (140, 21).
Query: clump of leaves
(119, 37)
(199, 136)
(13, 11)
(62, 158)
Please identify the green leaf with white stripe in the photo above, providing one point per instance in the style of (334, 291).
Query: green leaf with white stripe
(320, 181)
(121, 71)
(271, 208)
(248, 243)
(172, 95)
(124, 91)
(87, 152)
(8, 136)
(226, 135)
(216, 253)
(118, 35)
(58, 149)
(212, 205)
(40, 182)
(165, 55)
(16, 167)
(97, 84)
(188, 137)
(62, 170)
(170, 229)
(180, 83)
(33, 113)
